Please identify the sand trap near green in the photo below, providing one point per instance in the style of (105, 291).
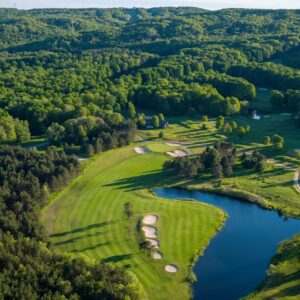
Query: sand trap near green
(156, 255)
(150, 232)
(150, 219)
(174, 144)
(171, 268)
(177, 153)
(141, 150)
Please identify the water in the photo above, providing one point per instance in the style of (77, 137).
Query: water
(236, 260)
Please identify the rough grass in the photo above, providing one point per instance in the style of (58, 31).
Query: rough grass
(88, 218)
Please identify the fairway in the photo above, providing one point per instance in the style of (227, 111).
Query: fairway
(88, 218)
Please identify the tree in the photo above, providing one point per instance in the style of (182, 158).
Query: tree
(220, 122)
(89, 150)
(98, 146)
(217, 170)
(241, 131)
(131, 110)
(155, 122)
(161, 117)
(161, 135)
(56, 134)
(266, 140)
(277, 99)
(277, 146)
(277, 139)
(228, 129)
(233, 125)
(22, 131)
(128, 210)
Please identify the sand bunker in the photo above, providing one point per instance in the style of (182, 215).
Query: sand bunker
(174, 144)
(177, 153)
(150, 231)
(141, 150)
(156, 255)
(154, 243)
(150, 219)
(171, 268)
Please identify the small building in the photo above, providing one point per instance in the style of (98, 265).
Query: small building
(164, 124)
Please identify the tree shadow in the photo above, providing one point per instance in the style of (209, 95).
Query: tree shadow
(289, 291)
(82, 229)
(145, 180)
(90, 247)
(74, 239)
(116, 258)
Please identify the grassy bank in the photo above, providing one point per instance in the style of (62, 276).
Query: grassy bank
(283, 276)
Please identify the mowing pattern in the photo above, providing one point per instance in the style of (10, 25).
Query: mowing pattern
(88, 218)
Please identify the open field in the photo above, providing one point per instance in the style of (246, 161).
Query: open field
(88, 218)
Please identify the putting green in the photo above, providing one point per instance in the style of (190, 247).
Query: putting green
(88, 218)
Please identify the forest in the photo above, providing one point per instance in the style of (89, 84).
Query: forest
(86, 79)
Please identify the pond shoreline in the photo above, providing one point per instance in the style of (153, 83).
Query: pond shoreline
(201, 264)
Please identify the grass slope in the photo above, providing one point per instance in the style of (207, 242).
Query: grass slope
(283, 281)
(88, 218)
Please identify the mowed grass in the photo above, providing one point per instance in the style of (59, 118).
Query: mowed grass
(88, 218)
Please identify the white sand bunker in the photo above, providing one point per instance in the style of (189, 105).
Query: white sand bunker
(141, 150)
(154, 243)
(171, 268)
(177, 153)
(174, 144)
(156, 255)
(150, 219)
(150, 231)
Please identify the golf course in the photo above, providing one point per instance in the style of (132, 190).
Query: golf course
(87, 217)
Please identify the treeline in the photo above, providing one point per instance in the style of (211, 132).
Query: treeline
(174, 97)
(269, 75)
(29, 269)
(92, 134)
(51, 87)
(59, 65)
(13, 130)
(218, 161)
(289, 99)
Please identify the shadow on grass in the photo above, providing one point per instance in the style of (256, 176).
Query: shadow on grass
(74, 239)
(289, 291)
(90, 247)
(145, 180)
(82, 229)
(116, 258)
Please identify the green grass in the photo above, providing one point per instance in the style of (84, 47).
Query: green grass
(88, 218)
(274, 187)
(283, 280)
(262, 101)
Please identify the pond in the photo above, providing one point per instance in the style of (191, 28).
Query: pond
(236, 260)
